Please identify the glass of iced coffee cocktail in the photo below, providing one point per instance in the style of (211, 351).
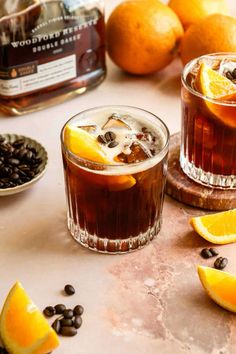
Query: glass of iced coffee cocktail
(208, 142)
(115, 161)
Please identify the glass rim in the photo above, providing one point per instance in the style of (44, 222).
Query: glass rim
(191, 64)
(159, 156)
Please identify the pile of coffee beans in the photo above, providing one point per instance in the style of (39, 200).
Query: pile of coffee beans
(19, 162)
(69, 320)
(220, 262)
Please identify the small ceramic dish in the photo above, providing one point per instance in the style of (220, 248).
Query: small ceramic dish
(41, 153)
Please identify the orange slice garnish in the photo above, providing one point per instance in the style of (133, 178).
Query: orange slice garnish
(220, 286)
(23, 328)
(213, 85)
(219, 228)
(86, 146)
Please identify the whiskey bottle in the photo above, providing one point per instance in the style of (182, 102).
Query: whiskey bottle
(50, 51)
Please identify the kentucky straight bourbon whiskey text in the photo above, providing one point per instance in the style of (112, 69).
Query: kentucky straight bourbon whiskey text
(51, 50)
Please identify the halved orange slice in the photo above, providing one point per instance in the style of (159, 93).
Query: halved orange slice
(213, 85)
(220, 286)
(219, 228)
(23, 328)
(86, 146)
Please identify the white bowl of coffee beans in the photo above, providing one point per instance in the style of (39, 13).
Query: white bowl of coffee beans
(22, 163)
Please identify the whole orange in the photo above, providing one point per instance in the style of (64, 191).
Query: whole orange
(216, 33)
(143, 36)
(192, 11)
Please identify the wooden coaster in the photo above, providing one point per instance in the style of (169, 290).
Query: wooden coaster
(182, 188)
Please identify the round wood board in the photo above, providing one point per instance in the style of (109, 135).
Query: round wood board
(182, 188)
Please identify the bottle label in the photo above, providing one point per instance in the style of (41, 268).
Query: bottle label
(61, 47)
(31, 77)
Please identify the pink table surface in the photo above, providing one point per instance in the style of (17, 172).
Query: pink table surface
(147, 302)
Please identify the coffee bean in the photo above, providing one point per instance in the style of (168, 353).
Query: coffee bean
(206, 253)
(66, 322)
(18, 142)
(113, 144)
(77, 321)
(101, 139)
(229, 75)
(78, 310)
(234, 73)
(3, 351)
(13, 161)
(220, 263)
(14, 176)
(49, 311)
(69, 289)
(68, 314)
(213, 251)
(56, 326)
(68, 331)
(60, 308)
(110, 136)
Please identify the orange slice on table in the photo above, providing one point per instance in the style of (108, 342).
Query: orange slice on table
(220, 286)
(219, 228)
(213, 85)
(86, 146)
(23, 328)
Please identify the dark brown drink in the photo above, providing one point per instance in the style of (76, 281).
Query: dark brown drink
(208, 148)
(116, 206)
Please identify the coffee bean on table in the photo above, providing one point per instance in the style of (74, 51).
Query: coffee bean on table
(69, 289)
(66, 322)
(213, 251)
(68, 314)
(68, 331)
(49, 311)
(60, 308)
(78, 310)
(56, 326)
(77, 321)
(220, 263)
(206, 253)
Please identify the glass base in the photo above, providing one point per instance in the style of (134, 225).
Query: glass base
(207, 179)
(105, 245)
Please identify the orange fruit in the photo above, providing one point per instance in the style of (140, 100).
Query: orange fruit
(192, 11)
(143, 36)
(23, 328)
(220, 286)
(86, 146)
(215, 33)
(213, 85)
(219, 228)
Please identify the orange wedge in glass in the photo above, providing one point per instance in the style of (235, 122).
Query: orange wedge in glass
(213, 85)
(220, 286)
(219, 228)
(23, 328)
(86, 146)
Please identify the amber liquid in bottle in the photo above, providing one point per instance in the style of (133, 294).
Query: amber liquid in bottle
(49, 53)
